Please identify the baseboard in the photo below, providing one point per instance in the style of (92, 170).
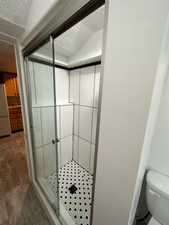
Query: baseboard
(4, 136)
(15, 131)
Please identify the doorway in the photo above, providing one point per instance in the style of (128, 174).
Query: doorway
(10, 110)
(14, 179)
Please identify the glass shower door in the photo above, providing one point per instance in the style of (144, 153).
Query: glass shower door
(42, 107)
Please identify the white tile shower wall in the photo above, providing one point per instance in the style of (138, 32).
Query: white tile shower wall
(84, 153)
(85, 122)
(97, 85)
(92, 155)
(87, 86)
(43, 125)
(37, 128)
(65, 132)
(76, 119)
(62, 86)
(59, 153)
(64, 116)
(66, 120)
(39, 159)
(84, 92)
(58, 124)
(94, 120)
(32, 83)
(43, 83)
(75, 148)
(49, 152)
(74, 86)
(45, 160)
(65, 150)
(45, 152)
(48, 124)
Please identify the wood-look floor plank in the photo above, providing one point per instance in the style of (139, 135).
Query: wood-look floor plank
(18, 202)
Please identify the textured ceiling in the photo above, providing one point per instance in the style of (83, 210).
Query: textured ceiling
(95, 21)
(15, 10)
(73, 39)
(7, 58)
(69, 43)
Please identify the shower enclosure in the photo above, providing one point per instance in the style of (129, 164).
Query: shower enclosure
(63, 78)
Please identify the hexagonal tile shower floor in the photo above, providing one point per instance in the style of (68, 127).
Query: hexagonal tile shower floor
(75, 191)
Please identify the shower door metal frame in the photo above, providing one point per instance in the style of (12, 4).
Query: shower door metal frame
(27, 74)
(42, 37)
(83, 12)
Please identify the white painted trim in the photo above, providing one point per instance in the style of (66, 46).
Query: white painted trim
(11, 28)
(24, 102)
(20, 26)
(7, 38)
(20, 71)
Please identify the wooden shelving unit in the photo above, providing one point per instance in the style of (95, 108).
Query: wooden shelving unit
(14, 107)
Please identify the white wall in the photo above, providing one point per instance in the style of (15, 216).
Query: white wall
(133, 41)
(148, 155)
(159, 145)
(62, 86)
(159, 155)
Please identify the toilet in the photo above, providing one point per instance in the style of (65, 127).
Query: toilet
(157, 194)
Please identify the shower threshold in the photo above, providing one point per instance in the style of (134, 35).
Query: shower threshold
(78, 203)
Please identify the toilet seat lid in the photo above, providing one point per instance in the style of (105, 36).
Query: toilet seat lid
(153, 222)
(159, 182)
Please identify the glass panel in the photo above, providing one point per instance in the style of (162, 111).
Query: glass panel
(41, 82)
(77, 91)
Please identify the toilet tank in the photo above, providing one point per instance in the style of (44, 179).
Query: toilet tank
(157, 192)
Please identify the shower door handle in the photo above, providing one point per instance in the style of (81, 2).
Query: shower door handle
(54, 141)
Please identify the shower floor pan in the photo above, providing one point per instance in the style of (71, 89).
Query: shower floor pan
(75, 191)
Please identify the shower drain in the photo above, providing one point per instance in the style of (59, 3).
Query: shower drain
(73, 189)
